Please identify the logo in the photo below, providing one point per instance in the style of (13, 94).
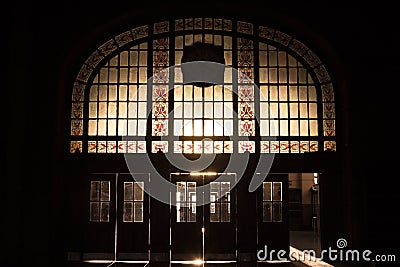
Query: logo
(201, 72)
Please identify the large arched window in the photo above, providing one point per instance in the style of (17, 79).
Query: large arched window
(111, 97)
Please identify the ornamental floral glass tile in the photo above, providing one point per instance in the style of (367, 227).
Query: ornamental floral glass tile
(246, 146)
(160, 87)
(159, 146)
(245, 55)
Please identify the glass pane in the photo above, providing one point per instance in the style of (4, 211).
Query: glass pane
(178, 127)
(283, 128)
(218, 110)
(181, 212)
(187, 128)
(313, 110)
(218, 93)
(267, 212)
(303, 128)
(283, 110)
(294, 127)
(225, 191)
(94, 211)
(303, 110)
(208, 128)
(215, 212)
(264, 127)
(112, 127)
(112, 110)
(93, 110)
(178, 93)
(313, 128)
(198, 110)
(138, 193)
(208, 110)
(128, 212)
(214, 191)
(105, 191)
(93, 93)
(180, 192)
(138, 211)
(277, 212)
(294, 110)
(267, 191)
(141, 128)
(277, 191)
(122, 110)
(128, 191)
(225, 212)
(228, 109)
(228, 127)
(188, 93)
(188, 110)
(104, 211)
(273, 93)
(218, 127)
(95, 191)
(198, 93)
(198, 127)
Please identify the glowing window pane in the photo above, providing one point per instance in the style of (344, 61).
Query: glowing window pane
(208, 128)
(273, 110)
(102, 109)
(188, 110)
(112, 127)
(132, 110)
(264, 127)
(187, 128)
(178, 127)
(303, 110)
(122, 127)
(218, 127)
(141, 127)
(93, 110)
(102, 127)
(218, 110)
(303, 127)
(228, 127)
(283, 127)
(282, 75)
(198, 127)
(228, 109)
(283, 110)
(294, 127)
(313, 128)
(198, 110)
(208, 110)
(313, 110)
(122, 110)
(132, 127)
(273, 93)
(294, 110)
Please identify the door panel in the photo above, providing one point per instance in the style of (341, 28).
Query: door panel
(133, 217)
(272, 213)
(186, 218)
(220, 218)
(99, 219)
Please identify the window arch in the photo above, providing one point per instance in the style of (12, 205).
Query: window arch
(111, 97)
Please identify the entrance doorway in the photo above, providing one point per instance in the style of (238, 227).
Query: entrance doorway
(304, 211)
(203, 221)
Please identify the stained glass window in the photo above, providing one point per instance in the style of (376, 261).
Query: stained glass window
(118, 95)
(280, 81)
